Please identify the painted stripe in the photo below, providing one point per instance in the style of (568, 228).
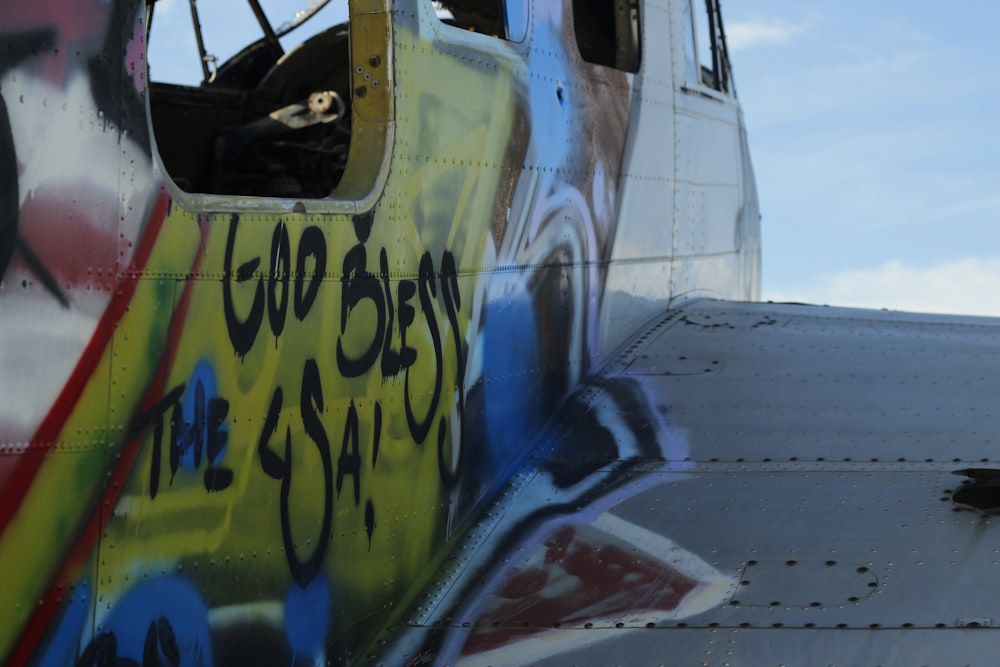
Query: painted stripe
(44, 441)
(43, 615)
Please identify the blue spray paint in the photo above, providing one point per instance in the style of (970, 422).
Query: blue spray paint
(307, 617)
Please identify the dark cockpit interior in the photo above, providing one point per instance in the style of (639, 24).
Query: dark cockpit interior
(264, 122)
(275, 118)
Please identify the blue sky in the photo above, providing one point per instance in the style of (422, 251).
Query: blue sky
(875, 133)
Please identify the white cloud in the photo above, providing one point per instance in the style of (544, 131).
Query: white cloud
(747, 34)
(968, 286)
(167, 7)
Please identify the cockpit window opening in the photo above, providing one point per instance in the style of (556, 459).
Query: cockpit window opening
(714, 70)
(227, 28)
(505, 19)
(273, 119)
(692, 68)
(607, 32)
(516, 14)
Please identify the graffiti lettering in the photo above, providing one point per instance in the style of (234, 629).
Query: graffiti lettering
(104, 651)
(280, 468)
(243, 332)
(204, 435)
(358, 286)
(453, 302)
(419, 428)
(370, 313)
(362, 287)
(311, 404)
(279, 276)
(160, 649)
(374, 309)
(393, 361)
(348, 466)
(312, 244)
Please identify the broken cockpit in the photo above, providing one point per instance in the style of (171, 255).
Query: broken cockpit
(272, 119)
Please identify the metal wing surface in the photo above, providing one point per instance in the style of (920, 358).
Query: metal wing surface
(746, 484)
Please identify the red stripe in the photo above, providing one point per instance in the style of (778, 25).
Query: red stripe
(66, 576)
(29, 462)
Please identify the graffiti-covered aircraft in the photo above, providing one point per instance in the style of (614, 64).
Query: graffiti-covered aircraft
(429, 338)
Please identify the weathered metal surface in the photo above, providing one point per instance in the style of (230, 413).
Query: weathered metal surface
(794, 505)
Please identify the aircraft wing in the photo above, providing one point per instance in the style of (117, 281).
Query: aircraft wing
(746, 484)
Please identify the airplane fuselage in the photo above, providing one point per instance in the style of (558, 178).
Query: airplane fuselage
(235, 407)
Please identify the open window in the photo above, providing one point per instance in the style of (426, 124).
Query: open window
(607, 32)
(506, 19)
(705, 49)
(274, 119)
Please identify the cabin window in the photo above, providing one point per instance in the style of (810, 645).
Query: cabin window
(517, 19)
(253, 97)
(692, 69)
(506, 19)
(607, 32)
(707, 55)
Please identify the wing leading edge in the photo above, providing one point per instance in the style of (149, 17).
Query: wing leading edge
(747, 484)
